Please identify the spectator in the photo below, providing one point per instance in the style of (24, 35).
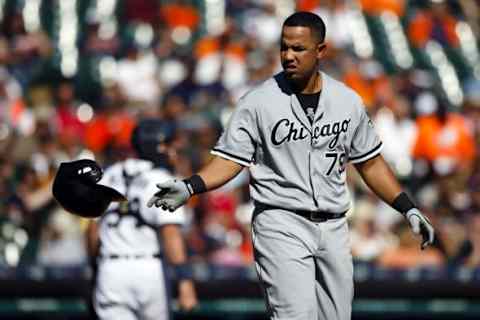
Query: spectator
(221, 226)
(28, 50)
(435, 22)
(444, 139)
(111, 127)
(406, 255)
(70, 127)
(137, 76)
(368, 242)
(473, 227)
(335, 13)
(398, 133)
(98, 44)
(61, 242)
(180, 14)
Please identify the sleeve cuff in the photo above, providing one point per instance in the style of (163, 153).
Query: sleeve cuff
(368, 155)
(226, 155)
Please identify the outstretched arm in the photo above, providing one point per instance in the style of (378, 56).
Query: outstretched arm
(379, 177)
(175, 193)
(218, 172)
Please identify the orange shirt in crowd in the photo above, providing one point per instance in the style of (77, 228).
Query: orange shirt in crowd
(373, 7)
(452, 139)
(212, 45)
(206, 46)
(236, 50)
(307, 5)
(369, 90)
(103, 131)
(354, 80)
(178, 15)
(376, 7)
(421, 27)
(16, 110)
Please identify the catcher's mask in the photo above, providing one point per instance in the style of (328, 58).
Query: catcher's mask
(76, 190)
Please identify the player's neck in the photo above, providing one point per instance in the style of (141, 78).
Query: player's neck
(309, 86)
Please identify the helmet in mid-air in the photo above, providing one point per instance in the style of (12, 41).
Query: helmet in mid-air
(76, 189)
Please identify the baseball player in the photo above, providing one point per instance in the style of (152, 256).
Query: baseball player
(130, 240)
(296, 132)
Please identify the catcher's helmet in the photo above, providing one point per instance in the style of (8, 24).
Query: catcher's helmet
(147, 137)
(76, 190)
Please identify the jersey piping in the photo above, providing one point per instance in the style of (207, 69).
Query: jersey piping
(232, 157)
(368, 155)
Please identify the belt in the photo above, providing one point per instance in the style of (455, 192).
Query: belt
(131, 256)
(314, 216)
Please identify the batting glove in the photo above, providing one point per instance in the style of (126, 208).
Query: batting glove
(172, 195)
(420, 225)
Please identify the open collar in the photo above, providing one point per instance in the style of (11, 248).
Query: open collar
(300, 113)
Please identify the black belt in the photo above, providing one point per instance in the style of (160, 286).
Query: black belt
(314, 216)
(131, 256)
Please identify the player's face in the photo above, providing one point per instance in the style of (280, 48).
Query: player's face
(300, 52)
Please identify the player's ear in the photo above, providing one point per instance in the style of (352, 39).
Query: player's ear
(321, 49)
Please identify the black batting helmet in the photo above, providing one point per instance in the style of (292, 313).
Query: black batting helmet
(147, 137)
(76, 189)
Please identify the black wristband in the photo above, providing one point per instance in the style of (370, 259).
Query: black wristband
(183, 271)
(402, 203)
(195, 184)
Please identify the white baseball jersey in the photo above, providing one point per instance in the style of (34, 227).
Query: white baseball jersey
(295, 164)
(131, 228)
(129, 241)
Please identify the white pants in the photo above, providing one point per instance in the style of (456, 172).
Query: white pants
(305, 268)
(129, 289)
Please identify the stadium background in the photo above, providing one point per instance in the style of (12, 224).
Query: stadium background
(75, 75)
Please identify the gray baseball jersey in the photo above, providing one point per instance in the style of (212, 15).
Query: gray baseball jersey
(295, 164)
(305, 267)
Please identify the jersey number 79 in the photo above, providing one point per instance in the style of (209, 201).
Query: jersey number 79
(336, 156)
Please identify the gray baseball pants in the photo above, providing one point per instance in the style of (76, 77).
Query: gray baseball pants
(304, 267)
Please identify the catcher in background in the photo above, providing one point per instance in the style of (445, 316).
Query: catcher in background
(129, 241)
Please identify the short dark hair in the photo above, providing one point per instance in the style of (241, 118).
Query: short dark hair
(309, 20)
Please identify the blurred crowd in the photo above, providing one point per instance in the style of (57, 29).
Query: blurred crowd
(75, 77)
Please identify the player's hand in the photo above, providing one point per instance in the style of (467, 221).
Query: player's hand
(420, 225)
(172, 195)
(187, 298)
